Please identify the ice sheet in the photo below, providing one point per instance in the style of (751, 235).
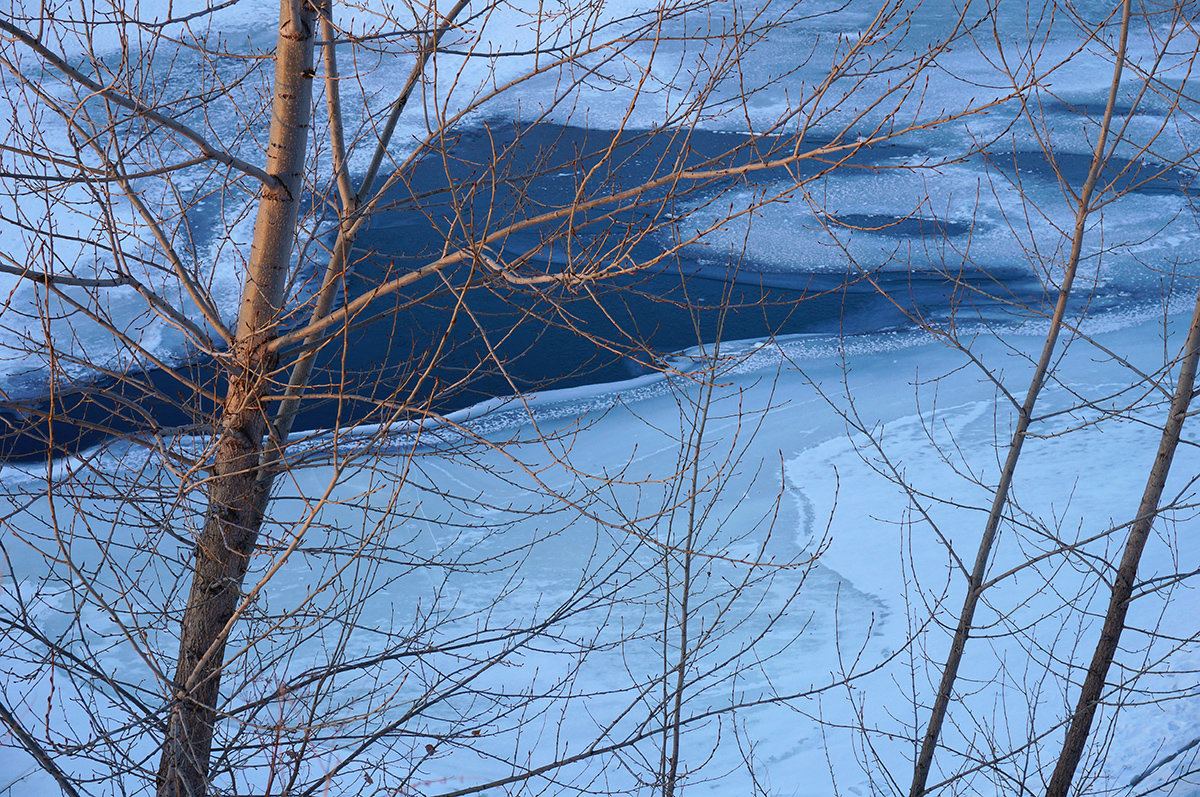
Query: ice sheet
(850, 222)
(882, 566)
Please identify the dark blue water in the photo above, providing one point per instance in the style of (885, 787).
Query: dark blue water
(449, 342)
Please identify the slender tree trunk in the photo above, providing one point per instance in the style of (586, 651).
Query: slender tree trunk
(350, 219)
(237, 493)
(1122, 588)
(966, 617)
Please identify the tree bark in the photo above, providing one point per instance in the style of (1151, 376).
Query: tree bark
(237, 492)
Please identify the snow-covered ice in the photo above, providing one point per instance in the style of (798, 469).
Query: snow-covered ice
(842, 480)
(815, 475)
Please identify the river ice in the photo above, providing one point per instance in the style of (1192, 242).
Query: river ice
(844, 479)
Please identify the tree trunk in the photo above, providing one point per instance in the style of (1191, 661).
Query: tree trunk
(1122, 588)
(238, 493)
(966, 617)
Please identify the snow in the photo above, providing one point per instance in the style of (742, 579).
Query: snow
(844, 479)
(797, 475)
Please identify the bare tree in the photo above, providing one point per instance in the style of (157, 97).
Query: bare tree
(137, 133)
(1024, 417)
(1039, 598)
(1123, 583)
(290, 510)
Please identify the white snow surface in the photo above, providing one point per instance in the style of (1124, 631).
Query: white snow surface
(840, 422)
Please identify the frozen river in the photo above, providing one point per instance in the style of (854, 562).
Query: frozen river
(714, 507)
